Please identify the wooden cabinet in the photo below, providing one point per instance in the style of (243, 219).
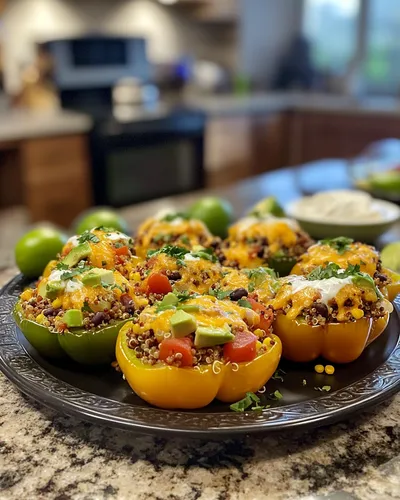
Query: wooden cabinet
(317, 135)
(240, 146)
(56, 177)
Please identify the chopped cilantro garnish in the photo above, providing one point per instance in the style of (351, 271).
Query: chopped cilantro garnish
(205, 253)
(276, 395)
(219, 294)
(61, 266)
(183, 296)
(171, 250)
(246, 402)
(88, 236)
(244, 303)
(325, 388)
(332, 270)
(341, 244)
(260, 408)
(86, 307)
(104, 228)
(173, 216)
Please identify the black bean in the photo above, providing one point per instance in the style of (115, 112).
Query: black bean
(98, 318)
(174, 275)
(321, 308)
(380, 277)
(51, 311)
(348, 303)
(260, 253)
(238, 294)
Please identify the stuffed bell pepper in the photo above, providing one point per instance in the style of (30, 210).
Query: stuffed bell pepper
(344, 252)
(185, 354)
(77, 309)
(271, 241)
(332, 312)
(171, 228)
(109, 249)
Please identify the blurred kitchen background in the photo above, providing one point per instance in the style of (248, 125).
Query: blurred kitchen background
(114, 102)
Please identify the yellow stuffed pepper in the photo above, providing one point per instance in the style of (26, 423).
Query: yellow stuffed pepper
(332, 313)
(185, 354)
(344, 252)
(171, 228)
(271, 241)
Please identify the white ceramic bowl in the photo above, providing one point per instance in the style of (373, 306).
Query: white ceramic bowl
(367, 231)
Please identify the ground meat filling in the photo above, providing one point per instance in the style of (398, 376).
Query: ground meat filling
(53, 317)
(146, 347)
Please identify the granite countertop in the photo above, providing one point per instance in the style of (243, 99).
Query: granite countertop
(23, 124)
(48, 455)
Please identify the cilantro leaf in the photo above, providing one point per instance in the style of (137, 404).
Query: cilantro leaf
(244, 303)
(276, 396)
(341, 244)
(62, 267)
(88, 236)
(205, 253)
(258, 275)
(171, 250)
(246, 402)
(175, 215)
(219, 294)
(86, 307)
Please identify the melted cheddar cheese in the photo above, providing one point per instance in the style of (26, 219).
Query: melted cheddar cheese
(318, 255)
(155, 233)
(297, 294)
(212, 313)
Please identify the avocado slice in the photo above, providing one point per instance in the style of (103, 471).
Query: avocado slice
(182, 324)
(169, 300)
(96, 277)
(42, 289)
(53, 288)
(76, 254)
(73, 318)
(209, 337)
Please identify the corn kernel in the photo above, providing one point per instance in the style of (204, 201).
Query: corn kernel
(56, 303)
(329, 369)
(259, 332)
(26, 295)
(357, 313)
(40, 318)
(319, 368)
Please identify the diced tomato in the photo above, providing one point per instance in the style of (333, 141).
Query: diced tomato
(242, 348)
(122, 250)
(266, 315)
(158, 283)
(169, 347)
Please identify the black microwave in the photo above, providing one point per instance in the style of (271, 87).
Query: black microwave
(97, 60)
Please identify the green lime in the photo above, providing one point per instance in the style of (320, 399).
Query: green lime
(216, 213)
(387, 181)
(267, 206)
(36, 248)
(106, 217)
(390, 256)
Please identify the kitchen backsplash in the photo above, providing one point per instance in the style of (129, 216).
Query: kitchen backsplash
(170, 33)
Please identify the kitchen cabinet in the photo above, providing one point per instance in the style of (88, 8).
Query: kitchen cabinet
(318, 134)
(243, 145)
(50, 175)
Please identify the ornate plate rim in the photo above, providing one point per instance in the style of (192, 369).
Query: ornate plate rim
(34, 381)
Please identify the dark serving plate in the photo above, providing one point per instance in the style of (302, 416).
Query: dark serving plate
(100, 395)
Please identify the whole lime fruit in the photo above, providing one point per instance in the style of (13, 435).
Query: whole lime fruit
(104, 216)
(36, 248)
(216, 213)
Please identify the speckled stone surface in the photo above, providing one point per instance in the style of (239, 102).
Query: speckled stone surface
(44, 454)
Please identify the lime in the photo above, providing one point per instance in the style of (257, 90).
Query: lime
(104, 216)
(267, 206)
(390, 256)
(387, 181)
(216, 213)
(36, 248)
